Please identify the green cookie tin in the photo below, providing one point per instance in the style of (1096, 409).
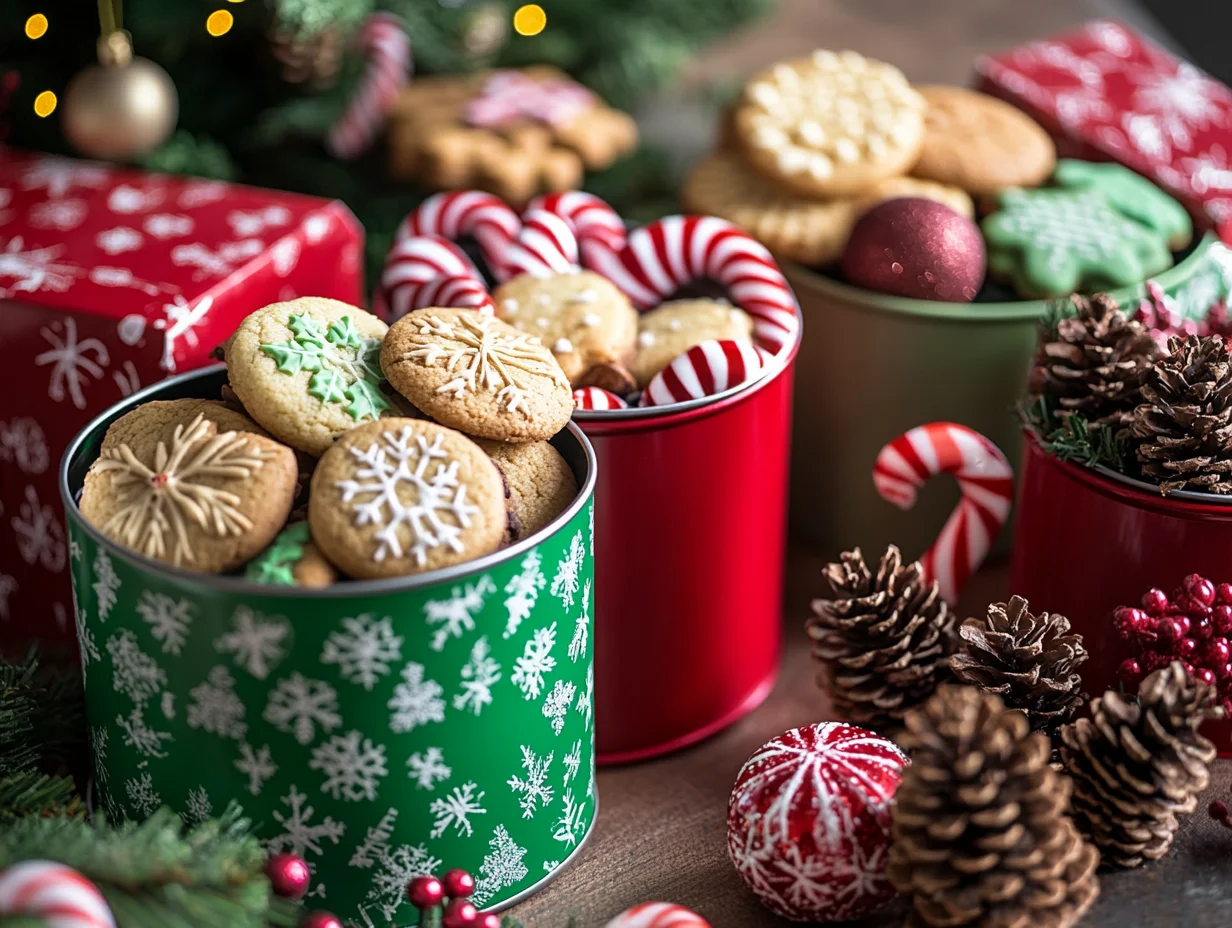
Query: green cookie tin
(873, 366)
(379, 729)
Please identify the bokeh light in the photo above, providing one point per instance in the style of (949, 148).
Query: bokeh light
(219, 23)
(36, 26)
(529, 19)
(45, 103)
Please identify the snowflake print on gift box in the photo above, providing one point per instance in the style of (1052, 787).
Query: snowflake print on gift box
(300, 835)
(40, 539)
(58, 176)
(569, 826)
(257, 642)
(416, 701)
(139, 736)
(1185, 100)
(581, 630)
(437, 511)
(199, 806)
(35, 269)
(215, 707)
(22, 442)
(455, 809)
(456, 615)
(134, 672)
(169, 619)
(72, 361)
(60, 215)
(353, 766)
(534, 789)
(428, 768)
(536, 661)
(523, 589)
(479, 675)
(501, 868)
(364, 649)
(168, 225)
(246, 224)
(345, 365)
(105, 584)
(556, 705)
(565, 583)
(119, 240)
(180, 320)
(298, 706)
(257, 765)
(142, 796)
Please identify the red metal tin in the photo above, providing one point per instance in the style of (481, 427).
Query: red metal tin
(690, 517)
(1087, 541)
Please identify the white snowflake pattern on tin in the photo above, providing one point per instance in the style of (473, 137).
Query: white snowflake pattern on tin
(72, 361)
(428, 769)
(523, 591)
(375, 843)
(572, 762)
(479, 675)
(533, 789)
(455, 810)
(586, 700)
(581, 630)
(22, 441)
(170, 620)
(569, 825)
(142, 796)
(395, 869)
(40, 539)
(257, 765)
(536, 661)
(85, 638)
(416, 700)
(105, 584)
(167, 704)
(199, 807)
(98, 738)
(353, 766)
(455, 616)
(257, 642)
(300, 835)
(119, 240)
(556, 704)
(501, 869)
(364, 649)
(134, 672)
(215, 707)
(297, 705)
(139, 736)
(567, 579)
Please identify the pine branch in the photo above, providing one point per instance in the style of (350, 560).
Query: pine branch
(33, 793)
(41, 714)
(1073, 438)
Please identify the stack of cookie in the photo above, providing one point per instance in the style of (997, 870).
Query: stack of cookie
(344, 448)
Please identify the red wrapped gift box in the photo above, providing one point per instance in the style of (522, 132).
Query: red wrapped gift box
(1106, 93)
(111, 279)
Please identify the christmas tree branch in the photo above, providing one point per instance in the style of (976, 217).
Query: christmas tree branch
(42, 717)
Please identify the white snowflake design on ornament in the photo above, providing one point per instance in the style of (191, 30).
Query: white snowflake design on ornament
(353, 766)
(139, 736)
(199, 807)
(170, 620)
(502, 867)
(142, 796)
(568, 573)
(257, 642)
(534, 789)
(456, 615)
(72, 361)
(586, 700)
(455, 809)
(300, 835)
(40, 539)
(439, 512)
(482, 357)
(215, 707)
(572, 762)
(35, 269)
(581, 630)
(298, 705)
(105, 585)
(416, 701)
(395, 869)
(22, 442)
(375, 843)
(556, 704)
(134, 672)
(523, 591)
(364, 650)
(479, 675)
(257, 765)
(428, 769)
(569, 827)
(536, 662)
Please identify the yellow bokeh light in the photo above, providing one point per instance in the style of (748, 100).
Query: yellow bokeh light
(36, 26)
(529, 19)
(45, 103)
(219, 23)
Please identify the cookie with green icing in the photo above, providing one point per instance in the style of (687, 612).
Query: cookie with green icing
(1053, 241)
(292, 560)
(1131, 195)
(309, 370)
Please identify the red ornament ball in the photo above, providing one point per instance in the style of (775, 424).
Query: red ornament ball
(321, 920)
(808, 822)
(288, 875)
(458, 884)
(424, 892)
(916, 248)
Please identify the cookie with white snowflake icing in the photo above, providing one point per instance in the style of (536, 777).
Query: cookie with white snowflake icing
(404, 496)
(181, 491)
(477, 374)
(308, 370)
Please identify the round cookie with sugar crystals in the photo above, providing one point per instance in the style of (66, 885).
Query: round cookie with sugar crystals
(405, 496)
(541, 483)
(477, 374)
(673, 328)
(830, 124)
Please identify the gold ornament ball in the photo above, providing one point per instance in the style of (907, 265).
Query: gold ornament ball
(120, 108)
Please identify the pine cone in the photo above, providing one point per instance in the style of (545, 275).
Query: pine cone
(1184, 425)
(1030, 661)
(980, 832)
(1137, 765)
(313, 61)
(884, 639)
(1096, 362)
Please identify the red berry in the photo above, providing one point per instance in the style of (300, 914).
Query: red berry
(1189, 668)
(321, 920)
(1203, 629)
(1153, 660)
(1219, 811)
(1201, 589)
(424, 892)
(1206, 675)
(1171, 630)
(1155, 602)
(1130, 672)
(1223, 594)
(458, 884)
(288, 875)
(1218, 652)
(1187, 649)
(460, 914)
(1127, 622)
(491, 920)
(1222, 617)
(1199, 611)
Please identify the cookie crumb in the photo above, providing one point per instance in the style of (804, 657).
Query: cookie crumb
(562, 346)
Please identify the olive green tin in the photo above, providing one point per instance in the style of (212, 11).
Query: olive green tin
(873, 366)
(379, 729)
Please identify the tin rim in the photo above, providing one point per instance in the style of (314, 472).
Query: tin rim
(343, 589)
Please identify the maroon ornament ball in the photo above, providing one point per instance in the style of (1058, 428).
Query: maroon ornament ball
(288, 875)
(808, 823)
(916, 248)
(321, 920)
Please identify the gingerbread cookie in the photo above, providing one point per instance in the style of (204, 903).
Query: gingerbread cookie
(186, 493)
(981, 144)
(831, 124)
(1051, 242)
(292, 560)
(513, 133)
(804, 229)
(584, 319)
(541, 483)
(1131, 195)
(477, 374)
(403, 496)
(673, 328)
(307, 370)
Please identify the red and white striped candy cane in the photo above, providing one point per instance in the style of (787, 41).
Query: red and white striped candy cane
(597, 226)
(707, 368)
(597, 398)
(545, 246)
(487, 218)
(388, 48)
(429, 270)
(984, 476)
(658, 915)
(57, 894)
(663, 256)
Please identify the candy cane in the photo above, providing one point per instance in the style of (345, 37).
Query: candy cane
(658, 915)
(57, 894)
(597, 226)
(984, 477)
(487, 218)
(707, 368)
(661, 257)
(545, 246)
(596, 398)
(384, 40)
(429, 270)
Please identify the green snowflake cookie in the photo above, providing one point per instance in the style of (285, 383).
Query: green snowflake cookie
(276, 564)
(1131, 195)
(1051, 242)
